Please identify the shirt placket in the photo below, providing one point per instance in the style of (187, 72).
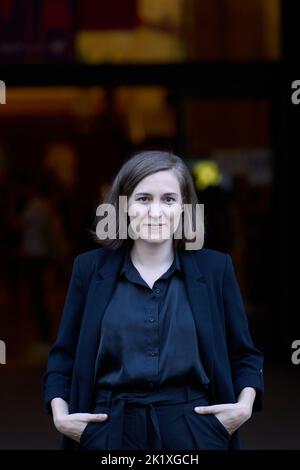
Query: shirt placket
(152, 334)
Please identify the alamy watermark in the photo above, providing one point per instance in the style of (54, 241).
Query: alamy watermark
(296, 354)
(113, 224)
(2, 92)
(2, 352)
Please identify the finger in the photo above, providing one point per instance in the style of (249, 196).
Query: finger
(91, 416)
(208, 409)
(98, 417)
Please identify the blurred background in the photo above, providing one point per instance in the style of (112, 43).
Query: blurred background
(88, 82)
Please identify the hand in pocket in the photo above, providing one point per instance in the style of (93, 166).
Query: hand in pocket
(230, 415)
(73, 425)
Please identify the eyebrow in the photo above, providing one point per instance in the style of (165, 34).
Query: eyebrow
(149, 194)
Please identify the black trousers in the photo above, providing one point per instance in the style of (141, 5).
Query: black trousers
(158, 420)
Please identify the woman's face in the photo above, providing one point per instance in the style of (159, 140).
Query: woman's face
(155, 206)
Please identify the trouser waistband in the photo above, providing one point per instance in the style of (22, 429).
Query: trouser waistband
(164, 396)
(117, 400)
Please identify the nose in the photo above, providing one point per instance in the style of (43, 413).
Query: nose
(154, 210)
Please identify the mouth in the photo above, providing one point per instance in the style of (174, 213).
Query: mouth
(155, 225)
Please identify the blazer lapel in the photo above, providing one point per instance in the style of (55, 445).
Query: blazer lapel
(199, 298)
(99, 294)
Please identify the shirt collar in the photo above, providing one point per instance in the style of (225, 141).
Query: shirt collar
(127, 263)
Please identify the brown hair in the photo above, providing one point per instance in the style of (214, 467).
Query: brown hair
(136, 168)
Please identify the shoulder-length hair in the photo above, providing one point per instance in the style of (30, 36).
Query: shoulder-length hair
(134, 170)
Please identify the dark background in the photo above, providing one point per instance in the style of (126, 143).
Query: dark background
(211, 84)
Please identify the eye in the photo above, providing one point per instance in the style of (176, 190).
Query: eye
(142, 198)
(170, 199)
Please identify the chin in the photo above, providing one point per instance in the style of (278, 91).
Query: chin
(155, 240)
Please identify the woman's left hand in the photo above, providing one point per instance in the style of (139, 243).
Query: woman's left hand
(231, 415)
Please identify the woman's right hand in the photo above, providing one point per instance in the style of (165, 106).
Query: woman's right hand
(73, 425)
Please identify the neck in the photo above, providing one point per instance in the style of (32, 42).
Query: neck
(152, 255)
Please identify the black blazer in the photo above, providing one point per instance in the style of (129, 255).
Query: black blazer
(230, 359)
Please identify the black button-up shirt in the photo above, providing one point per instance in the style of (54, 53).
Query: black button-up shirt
(148, 336)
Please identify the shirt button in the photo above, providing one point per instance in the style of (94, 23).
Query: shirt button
(151, 320)
(157, 291)
(152, 353)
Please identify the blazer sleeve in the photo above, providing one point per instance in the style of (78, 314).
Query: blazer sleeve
(57, 378)
(246, 361)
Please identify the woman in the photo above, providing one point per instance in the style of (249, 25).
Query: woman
(153, 349)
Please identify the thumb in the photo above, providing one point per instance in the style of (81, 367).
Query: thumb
(97, 417)
(204, 410)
